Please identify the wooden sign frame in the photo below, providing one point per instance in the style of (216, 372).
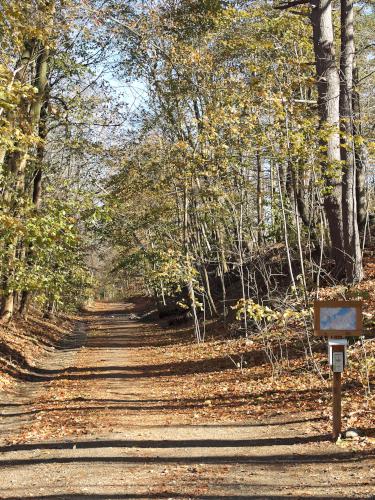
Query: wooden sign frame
(338, 304)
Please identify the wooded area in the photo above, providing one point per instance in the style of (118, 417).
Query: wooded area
(180, 180)
(253, 136)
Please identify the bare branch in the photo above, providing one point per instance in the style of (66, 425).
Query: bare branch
(294, 3)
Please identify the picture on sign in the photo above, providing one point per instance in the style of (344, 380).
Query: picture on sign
(338, 318)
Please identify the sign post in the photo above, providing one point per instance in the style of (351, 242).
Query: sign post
(337, 361)
(336, 405)
(337, 319)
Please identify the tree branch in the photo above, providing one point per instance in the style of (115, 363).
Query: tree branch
(294, 3)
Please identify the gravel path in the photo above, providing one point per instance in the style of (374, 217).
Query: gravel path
(98, 422)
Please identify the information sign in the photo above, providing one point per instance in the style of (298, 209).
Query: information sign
(338, 318)
(337, 362)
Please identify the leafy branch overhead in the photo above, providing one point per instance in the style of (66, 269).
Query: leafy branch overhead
(210, 152)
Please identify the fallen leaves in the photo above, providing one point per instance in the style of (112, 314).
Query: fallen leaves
(174, 380)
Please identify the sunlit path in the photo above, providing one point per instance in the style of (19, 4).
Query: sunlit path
(96, 423)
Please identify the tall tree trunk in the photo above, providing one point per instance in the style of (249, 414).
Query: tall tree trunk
(361, 154)
(260, 211)
(19, 159)
(29, 121)
(206, 281)
(37, 200)
(15, 170)
(353, 256)
(328, 83)
(299, 196)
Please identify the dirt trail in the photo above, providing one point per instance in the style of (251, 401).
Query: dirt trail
(98, 421)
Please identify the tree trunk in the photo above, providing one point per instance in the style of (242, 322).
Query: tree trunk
(7, 307)
(328, 83)
(25, 303)
(361, 155)
(49, 312)
(18, 161)
(15, 169)
(353, 255)
(210, 299)
(29, 120)
(260, 211)
(37, 200)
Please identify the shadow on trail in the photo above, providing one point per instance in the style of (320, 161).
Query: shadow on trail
(5, 405)
(271, 460)
(107, 313)
(139, 371)
(166, 443)
(28, 373)
(145, 405)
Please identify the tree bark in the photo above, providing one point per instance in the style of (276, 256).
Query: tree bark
(37, 201)
(353, 255)
(260, 211)
(18, 160)
(328, 83)
(15, 170)
(361, 155)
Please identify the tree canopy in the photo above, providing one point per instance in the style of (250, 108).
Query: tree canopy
(219, 154)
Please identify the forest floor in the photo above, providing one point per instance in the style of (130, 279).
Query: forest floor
(114, 413)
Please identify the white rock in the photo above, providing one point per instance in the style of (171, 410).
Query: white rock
(352, 433)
